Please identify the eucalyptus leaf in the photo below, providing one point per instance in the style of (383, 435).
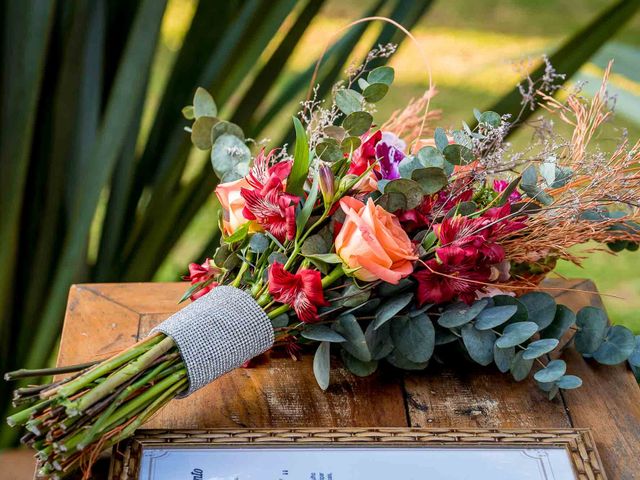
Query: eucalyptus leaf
(617, 346)
(520, 367)
(592, 327)
(634, 358)
(356, 366)
(348, 101)
(458, 154)
(440, 138)
(503, 357)
(375, 92)
(314, 245)
(494, 316)
(444, 336)
(479, 343)
(355, 344)
(516, 333)
(413, 337)
(431, 179)
(357, 123)
(335, 132)
(390, 289)
(400, 361)
(379, 340)
(259, 242)
(322, 365)
(568, 382)
(280, 321)
(220, 127)
(201, 132)
(321, 333)
(391, 308)
(521, 314)
(384, 74)
(393, 201)
(563, 320)
(552, 372)
(541, 308)
(540, 347)
(431, 157)
(329, 150)
(490, 118)
(203, 104)
(409, 188)
(460, 313)
(350, 144)
(230, 158)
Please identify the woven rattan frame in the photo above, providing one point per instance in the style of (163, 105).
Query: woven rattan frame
(578, 442)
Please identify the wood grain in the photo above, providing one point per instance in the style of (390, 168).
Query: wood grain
(102, 318)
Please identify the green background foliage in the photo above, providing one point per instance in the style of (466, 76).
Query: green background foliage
(99, 181)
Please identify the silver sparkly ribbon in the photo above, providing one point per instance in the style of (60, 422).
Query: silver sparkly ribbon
(218, 332)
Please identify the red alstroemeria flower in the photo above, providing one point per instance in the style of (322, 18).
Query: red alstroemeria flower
(267, 202)
(470, 236)
(302, 291)
(448, 277)
(201, 274)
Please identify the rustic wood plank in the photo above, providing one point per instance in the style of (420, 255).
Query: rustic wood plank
(608, 401)
(279, 393)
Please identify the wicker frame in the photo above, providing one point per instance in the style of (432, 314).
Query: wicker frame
(578, 442)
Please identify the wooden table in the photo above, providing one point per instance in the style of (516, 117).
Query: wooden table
(101, 319)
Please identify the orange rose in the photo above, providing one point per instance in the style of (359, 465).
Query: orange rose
(232, 204)
(372, 239)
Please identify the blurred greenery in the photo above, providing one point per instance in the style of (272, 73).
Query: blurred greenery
(99, 183)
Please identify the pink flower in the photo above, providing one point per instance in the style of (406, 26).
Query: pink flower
(501, 185)
(302, 291)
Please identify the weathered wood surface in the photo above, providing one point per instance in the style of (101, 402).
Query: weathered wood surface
(103, 318)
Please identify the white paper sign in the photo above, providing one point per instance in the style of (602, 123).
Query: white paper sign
(355, 463)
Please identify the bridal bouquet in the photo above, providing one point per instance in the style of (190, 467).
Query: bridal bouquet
(378, 241)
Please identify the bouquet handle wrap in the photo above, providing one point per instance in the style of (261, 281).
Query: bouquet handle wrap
(217, 333)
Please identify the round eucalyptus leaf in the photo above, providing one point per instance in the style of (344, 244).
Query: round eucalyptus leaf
(408, 164)
(391, 308)
(375, 92)
(230, 158)
(458, 154)
(494, 316)
(503, 357)
(201, 132)
(379, 340)
(540, 347)
(392, 201)
(490, 118)
(410, 189)
(356, 366)
(383, 74)
(349, 144)
(430, 157)
(552, 372)
(541, 308)
(259, 242)
(357, 123)
(520, 367)
(354, 296)
(568, 382)
(413, 337)
(440, 138)
(431, 179)
(592, 327)
(391, 289)
(369, 306)
(479, 343)
(203, 104)
(521, 314)
(562, 321)
(516, 333)
(329, 150)
(322, 333)
(222, 127)
(617, 346)
(280, 321)
(460, 313)
(398, 360)
(322, 365)
(335, 132)
(188, 112)
(355, 344)
(348, 101)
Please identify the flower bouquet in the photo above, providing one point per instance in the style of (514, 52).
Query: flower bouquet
(380, 241)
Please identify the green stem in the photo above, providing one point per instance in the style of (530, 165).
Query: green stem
(118, 378)
(43, 372)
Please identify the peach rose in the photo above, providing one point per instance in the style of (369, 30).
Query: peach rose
(232, 204)
(372, 239)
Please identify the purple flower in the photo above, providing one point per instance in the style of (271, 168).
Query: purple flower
(501, 186)
(390, 152)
